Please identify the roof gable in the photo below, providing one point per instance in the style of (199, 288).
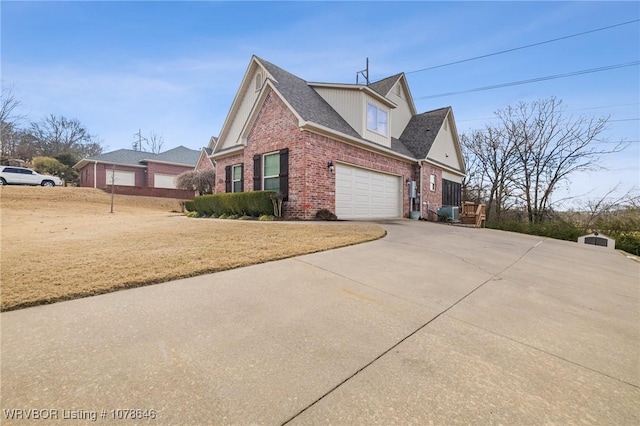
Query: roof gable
(178, 155)
(422, 130)
(306, 102)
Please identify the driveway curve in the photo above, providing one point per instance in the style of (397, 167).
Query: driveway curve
(432, 324)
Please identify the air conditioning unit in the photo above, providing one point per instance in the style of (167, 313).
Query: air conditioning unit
(451, 213)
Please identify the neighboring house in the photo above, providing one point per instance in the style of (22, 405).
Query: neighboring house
(349, 148)
(204, 160)
(129, 168)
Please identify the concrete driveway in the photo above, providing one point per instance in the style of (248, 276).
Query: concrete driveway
(433, 324)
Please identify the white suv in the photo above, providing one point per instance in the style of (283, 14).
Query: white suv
(10, 175)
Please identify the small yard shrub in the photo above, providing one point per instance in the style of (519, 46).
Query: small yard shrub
(325, 214)
(190, 206)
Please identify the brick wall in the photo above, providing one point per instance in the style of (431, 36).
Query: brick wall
(311, 183)
(164, 169)
(179, 194)
(86, 175)
(433, 198)
(204, 163)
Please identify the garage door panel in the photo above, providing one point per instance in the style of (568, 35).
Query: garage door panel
(366, 194)
(120, 178)
(164, 181)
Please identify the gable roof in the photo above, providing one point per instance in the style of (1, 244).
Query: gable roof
(384, 86)
(179, 156)
(421, 131)
(306, 101)
(313, 110)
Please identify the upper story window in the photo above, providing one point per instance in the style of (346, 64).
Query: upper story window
(258, 81)
(376, 119)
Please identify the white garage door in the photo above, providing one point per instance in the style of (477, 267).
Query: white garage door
(365, 194)
(164, 181)
(121, 178)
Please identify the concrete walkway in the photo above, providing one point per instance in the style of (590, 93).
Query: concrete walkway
(431, 325)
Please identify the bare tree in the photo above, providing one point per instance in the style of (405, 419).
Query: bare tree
(9, 119)
(55, 135)
(550, 147)
(153, 143)
(491, 154)
(596, 210)
(201, 181)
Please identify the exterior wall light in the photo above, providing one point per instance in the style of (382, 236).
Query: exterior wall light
(330, 166)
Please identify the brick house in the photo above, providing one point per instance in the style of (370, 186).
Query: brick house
(138, 172)
(351, 148)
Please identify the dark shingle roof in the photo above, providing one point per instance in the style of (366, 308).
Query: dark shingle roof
(383, 86)
(415, 141)
(121, 156)
(179, 155)
(306, 101)
(422, 130)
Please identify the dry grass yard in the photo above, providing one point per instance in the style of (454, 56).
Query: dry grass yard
(62, 243)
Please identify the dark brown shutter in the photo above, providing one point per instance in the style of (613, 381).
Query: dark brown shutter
(241, 177)
(284, 173)
(227, 179)
(257, 172)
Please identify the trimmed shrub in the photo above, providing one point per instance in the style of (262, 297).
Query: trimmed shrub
(253, 204)
(190, 206)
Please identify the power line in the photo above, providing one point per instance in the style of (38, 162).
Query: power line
(570, 110)
(532, 80)
(523, 47)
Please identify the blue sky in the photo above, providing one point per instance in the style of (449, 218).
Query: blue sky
(174, 67)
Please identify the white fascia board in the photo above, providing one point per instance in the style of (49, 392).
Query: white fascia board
(227, 152)
(236, 100)
(111, 163)
(456, 139)
(360, 143)
(170, 163)
(412, 106)
(253, 115)
(443, 166)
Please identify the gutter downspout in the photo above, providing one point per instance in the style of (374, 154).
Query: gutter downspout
(421, 194)
(95, 174)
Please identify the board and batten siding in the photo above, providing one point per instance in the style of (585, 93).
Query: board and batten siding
(347, 103)
(247, 100)
(443, 149)
(400, 115)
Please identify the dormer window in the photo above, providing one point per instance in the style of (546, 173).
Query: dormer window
(258, 81)
(376, 119)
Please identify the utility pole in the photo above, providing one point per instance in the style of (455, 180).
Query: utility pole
(137, 145)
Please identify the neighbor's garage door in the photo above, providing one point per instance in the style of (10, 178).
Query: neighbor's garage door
(365, 194)
(121, 178)
(164, 181)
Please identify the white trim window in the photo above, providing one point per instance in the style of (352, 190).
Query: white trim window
(236, 174)
(376, 119)
(432, 182)
(271, 172)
